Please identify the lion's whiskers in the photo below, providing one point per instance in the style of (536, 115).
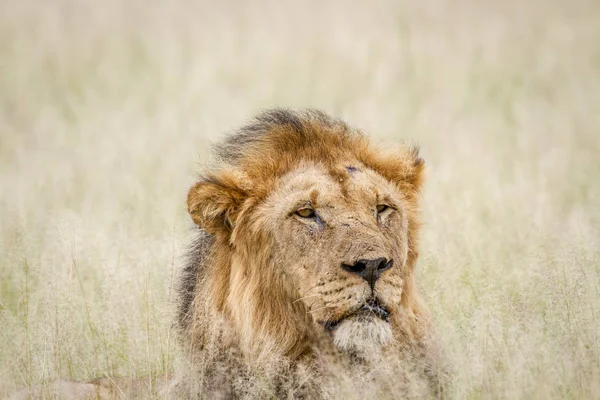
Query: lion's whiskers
(311, 288)
(305, 297)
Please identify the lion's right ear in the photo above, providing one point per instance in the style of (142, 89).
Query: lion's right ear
(214, 203)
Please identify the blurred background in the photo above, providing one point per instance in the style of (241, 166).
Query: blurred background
(108, 110)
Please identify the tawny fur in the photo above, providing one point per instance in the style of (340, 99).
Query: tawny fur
(263, 284)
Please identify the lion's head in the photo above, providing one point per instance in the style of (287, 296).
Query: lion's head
(309, 236)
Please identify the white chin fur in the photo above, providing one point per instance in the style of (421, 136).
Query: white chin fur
(362, 334)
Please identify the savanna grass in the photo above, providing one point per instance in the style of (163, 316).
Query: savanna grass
(106, 107)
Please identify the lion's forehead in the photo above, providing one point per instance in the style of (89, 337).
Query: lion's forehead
(348, 182)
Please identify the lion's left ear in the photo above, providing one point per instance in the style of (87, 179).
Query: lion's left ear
(413, 173)
(214, 203)
(401, 165)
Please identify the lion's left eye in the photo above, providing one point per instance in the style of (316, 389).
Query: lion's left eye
(382, 207)
(306, 212)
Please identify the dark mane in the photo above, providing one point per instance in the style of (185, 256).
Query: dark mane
(186, 288)
(297, 123)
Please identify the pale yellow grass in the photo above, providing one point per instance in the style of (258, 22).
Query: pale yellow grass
(107, 107)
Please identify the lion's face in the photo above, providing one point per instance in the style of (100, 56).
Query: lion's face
(341, 241)
(314, 232)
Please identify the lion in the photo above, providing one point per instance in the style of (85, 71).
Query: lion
(305, 253)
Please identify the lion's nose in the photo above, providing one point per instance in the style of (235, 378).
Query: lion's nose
(369, 270)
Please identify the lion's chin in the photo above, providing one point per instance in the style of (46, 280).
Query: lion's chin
(362, 334)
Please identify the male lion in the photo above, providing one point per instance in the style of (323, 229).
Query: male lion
(301, 280)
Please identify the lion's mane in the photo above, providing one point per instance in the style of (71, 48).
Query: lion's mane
(248, 164)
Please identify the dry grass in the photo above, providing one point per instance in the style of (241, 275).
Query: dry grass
(105, 108)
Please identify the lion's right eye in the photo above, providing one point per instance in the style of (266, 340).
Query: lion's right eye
(382, 207)
(306, 212)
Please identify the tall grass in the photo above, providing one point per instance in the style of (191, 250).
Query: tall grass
(106, 108)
